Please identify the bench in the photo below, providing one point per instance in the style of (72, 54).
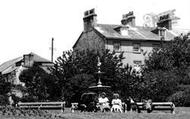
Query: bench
(42, 105)
(158, 106)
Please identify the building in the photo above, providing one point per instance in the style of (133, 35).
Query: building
(135, 41)
(11, 69)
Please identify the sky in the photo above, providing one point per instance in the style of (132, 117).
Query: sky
(29, 25)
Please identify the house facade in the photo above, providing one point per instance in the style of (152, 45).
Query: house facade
(12, 69)
(135, 41)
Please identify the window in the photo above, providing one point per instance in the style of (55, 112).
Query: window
(117, 46)
(136, 47)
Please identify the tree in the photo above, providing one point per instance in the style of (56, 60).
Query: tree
(40, 85)
(5, 87)
(76, 72)
(175, 55)
(166, 69)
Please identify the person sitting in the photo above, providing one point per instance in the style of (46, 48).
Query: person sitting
(130, 102)
(10, 99)
(116, 104)
(149, 105)
(103, 102)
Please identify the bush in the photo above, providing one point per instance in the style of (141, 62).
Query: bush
(3, 100)
(177, 98)
(180, 98)
(158, 85)
(29, 99)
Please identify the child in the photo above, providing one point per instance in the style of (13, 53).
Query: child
(116, 104)
(103, 102)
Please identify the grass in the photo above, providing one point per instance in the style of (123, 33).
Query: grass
(181, 113)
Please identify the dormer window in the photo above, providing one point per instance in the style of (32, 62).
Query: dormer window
(124, 31)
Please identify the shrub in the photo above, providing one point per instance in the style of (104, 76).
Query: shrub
(3, 100)
(180, 98)
(177, 98)
(28, 99)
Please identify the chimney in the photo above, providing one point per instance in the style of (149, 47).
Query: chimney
(28, 60)
(128, 19)
(165, 21)
(89, 19)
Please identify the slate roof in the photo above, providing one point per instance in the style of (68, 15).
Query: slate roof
(37, 58)
(10, 65)
(134, 33)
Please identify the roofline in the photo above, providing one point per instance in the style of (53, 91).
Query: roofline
(107, 38)
(78, 39)
(93, 29)
(129, 39)
(100, 34)
(113, 38)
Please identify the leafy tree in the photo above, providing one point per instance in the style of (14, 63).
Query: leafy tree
(158, 85)
(166, 69)
(76, 72)
(5, 87)
(174, 55)
(40, 85)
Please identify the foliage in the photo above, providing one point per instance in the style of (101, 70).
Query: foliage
(3, 100)
(40, 85)
(4, 89)
(158, 85)
(9, 112)
(174, 55)
(76, 72)
(4, 86)
(181, 98)
(166, 69)
(76, 86)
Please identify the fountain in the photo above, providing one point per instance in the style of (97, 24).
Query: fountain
(99, 87)
(90, 97)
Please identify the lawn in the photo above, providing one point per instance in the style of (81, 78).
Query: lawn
(181, 113)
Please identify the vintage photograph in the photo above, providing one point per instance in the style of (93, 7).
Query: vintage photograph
(94, 59)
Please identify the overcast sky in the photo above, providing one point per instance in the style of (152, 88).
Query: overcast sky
(28, 25)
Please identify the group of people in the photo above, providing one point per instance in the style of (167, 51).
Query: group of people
(116, 104)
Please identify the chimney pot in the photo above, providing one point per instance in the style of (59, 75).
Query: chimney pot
(89, 19)
(128, 19)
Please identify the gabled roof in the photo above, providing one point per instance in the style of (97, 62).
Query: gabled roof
(37, 58)
(10, 65)
(134, 33)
